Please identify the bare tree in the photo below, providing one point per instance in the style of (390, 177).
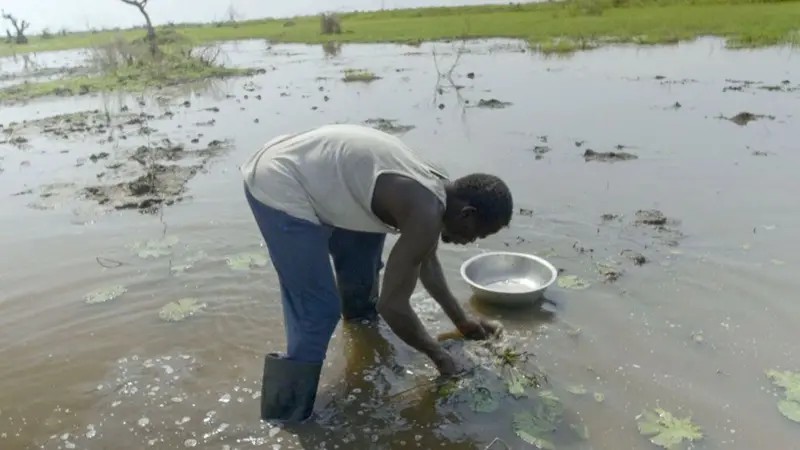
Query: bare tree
(19, 26)
(151, 32)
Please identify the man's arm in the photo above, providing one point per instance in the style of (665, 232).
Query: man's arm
(417, 240)
(434, 282)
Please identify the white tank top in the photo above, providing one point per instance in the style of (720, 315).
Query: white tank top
(327, 175)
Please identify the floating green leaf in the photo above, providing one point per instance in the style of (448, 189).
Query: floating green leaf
(516, 383)
(577, 389)
(180, 310)
(533, 429)
(789, 381)
(550, 407)
(105, 295)
(247, 261)
(188, 263)
(482, 400)
(599, 397)
(790, 409)
(155, 248)
(665, 430)
(572, 282)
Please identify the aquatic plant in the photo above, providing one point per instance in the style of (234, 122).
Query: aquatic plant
(359, 75)
(154, 248)
(572, 282)
(247, 260)
(665, 430)
(105, 295)
(180, 310)
(790, 382)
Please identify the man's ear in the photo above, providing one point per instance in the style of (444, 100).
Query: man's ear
(468, 211)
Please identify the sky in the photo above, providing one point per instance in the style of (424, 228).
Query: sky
(78, 15)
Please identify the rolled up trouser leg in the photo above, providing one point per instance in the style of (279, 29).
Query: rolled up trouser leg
(311, 310)
(357, 259)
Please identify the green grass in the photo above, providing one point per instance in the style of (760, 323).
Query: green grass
(354, 75)
(171, 68)
(745, 23)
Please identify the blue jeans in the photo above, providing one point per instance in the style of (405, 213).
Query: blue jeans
(313, 300)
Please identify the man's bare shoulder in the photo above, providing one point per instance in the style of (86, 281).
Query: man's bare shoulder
(400, 201)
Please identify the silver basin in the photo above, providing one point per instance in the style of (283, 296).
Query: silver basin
(507, 278)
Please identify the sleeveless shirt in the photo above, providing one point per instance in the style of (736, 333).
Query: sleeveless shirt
(327, 175)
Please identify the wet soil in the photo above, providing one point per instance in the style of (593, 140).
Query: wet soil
(492, 103)
(389, 126)
(785, 86)
(591, 155)
(140, 178)
(743, 118)
(159, 186)
(540, 151)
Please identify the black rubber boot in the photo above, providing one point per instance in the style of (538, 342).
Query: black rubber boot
(358, 302)
(288, 389)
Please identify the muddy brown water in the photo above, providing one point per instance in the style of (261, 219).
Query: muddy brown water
(692, 330)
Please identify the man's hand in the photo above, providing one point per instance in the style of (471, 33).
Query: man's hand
(446, 364)
(479, 329)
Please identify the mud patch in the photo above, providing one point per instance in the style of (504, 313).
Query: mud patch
(540, 151)
(609, 271)
(743, 118)
(747, 85)
(80, 125)
(636, 257)
(161, 185)
(388, 126)
(140, 179)
(591, 155)
(492, 103)
(656, 220)
(650, 217)
(666, 81)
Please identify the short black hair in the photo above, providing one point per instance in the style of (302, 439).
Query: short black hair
(489, 195)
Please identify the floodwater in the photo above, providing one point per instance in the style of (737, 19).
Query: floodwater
(691, 330)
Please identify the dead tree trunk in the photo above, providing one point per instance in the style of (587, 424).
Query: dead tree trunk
(19, 26)
(151, 32)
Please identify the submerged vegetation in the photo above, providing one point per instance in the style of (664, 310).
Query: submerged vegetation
(550, 26)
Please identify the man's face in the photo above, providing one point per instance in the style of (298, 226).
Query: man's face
(464, 228)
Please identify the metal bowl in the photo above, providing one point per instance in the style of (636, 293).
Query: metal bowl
(507, 278)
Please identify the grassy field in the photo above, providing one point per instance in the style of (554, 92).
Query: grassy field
(551, 26)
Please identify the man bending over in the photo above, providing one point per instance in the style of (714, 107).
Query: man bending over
(336, 191)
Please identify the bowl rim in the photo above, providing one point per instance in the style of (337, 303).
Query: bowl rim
(539, 259)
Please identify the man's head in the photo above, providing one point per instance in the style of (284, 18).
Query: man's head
(478, 205)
